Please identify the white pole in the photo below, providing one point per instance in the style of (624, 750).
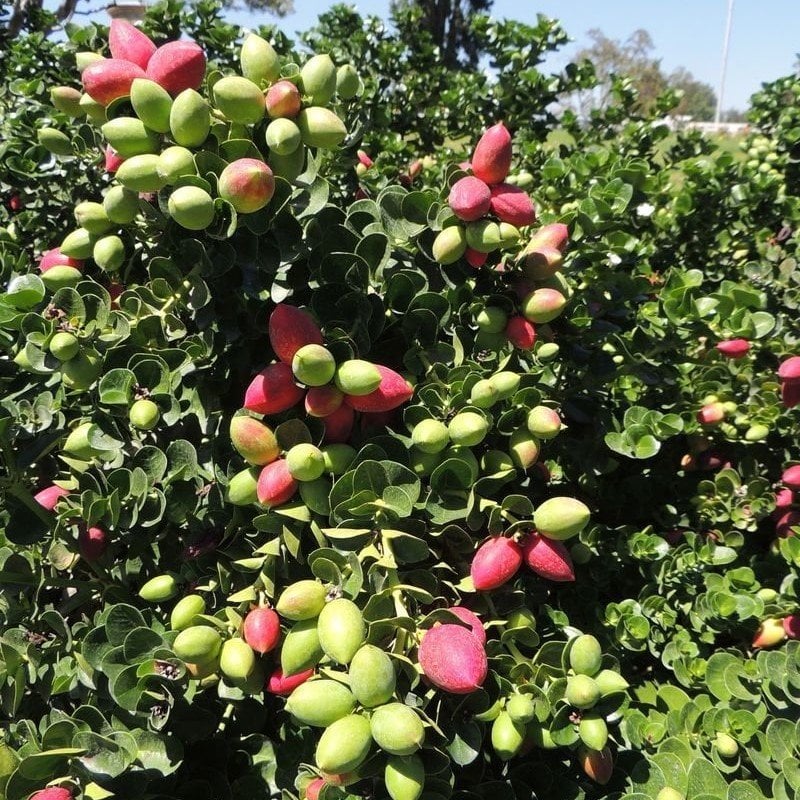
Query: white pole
(725, 45)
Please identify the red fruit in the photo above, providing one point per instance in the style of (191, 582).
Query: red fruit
(273, 390)
(314, 788)
(471, 619)
(470, 198)
(127, 42)
(452, 659)
(15, 203)
(49, 497)
(275, 484)
(92, 542)
(290, 329)
(495, 562)
(52, 793)
(414, 168)
(711, 414)
(377, 422)
(474, 258)
(784, 498)
(791, 477)
(262, 629)
(734, 348)
(521, 333)
(284, 686)
(176, 66)
(597, 764)
(360, 194)
(114, 291)
(465, 165)
(554, 235)
(283, 100)
(339, 425)
(791, 625)
(491, 160)
(512, 204)
(322, 401)
(790, 394)
(105, 81)
(785, 523)
(392, 392)
(548, 558)
(789, 370)
(112, 159)
(364, 159)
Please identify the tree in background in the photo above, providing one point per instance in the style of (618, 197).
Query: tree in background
(698, 101)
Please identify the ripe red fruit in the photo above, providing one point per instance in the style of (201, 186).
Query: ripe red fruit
(791, 477)
(262, 629)
(785, 523)
(392, 392)
(474, 258)
(790, 394)
(556, 235)
(105, 81)
(49, 496)
(784, 498)
(789, 370)
(92, 542)
(52, 793)
(471, 619)
(453, 659)
(275, 484)
(495, 562)
(364, 159)
(596, 764)
(176, 66)
(469, 198)
(513, 205)
(15, 203)
(273, 390)
(711, 414)
(284, 686)
(290, 329)
(339, 425)
(548, 558)
(521, 333)
(112, 158)
(127, 42)
(314, 788)
(734, 348)
(491, 160)
(791, 625)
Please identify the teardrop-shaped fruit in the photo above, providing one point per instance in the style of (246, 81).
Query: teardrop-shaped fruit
(469, 198)
(95, 113)
(144, 414)
(543, 422)
(320, 401)
(83, 58)
(668, 793)
(491, 319)
(109, 253)
(81, 372)
(261, 629)
(507, 736)
(596, 764)
(561, 517)
(483, 394)
(348, 82)
(453, 659)
(191, 207)
(320, 127)
(397, 729)
(339, 425)
(301, 648)
(372, 676)
(282, 685)
(302, 600)
(468, 428)
(610, 682)
(314, 365)
(344, 745)
(291, 328)
(239, 99)
(67, 100)
(283, 136)
(140, 173)
(127, 42)
(176, 162)
(495, 562)
(404, 777)
(582, 692)
(283, 100)
(305, 462)
(491, 159)
(548, 558)
(186, 611)
(276, 485)
(159, 589)
(320, 703)
(341, 629)
(542, 263)
(512, 205)
(585, 655)
(357, 377)
(121, 205)
(484, 236)
(260, 62)
(64, 346)
(430, 436)
(593, 731)
(93, 218)
(77, 244)
(197, 644)
(520, 333)
(58, 277)
(54, 141)
(253, 440)
(318, 77)
(237, 659)
(189, 119)
(108, 79)
(177, 66)
(243, 488)
(471, 619)
(393, 390)
(726, 745)
(48, 497)
(289, 166)
(273, 390)
(449, 245)
(152, 104)
(129, 137)
(543, 305)
(521, 708)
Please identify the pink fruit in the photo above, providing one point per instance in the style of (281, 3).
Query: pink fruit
(113, 160)
(127, 42)
(791, 625)
(247, 184)
(513, 205)
(554, 235)
(541, 262)
(49, 497)
(711, 414)
(790, 394)
(471, 619)
(791, 477)
(548, 558)
(275, 484)
(290, 329)
(785, 523)
(491, 160)
(734, 348)
(784, 498)
(452, 659)
(364, 159)
(52, 793)
(322, 401)
(314, 788)
(469, 198)
(105, 81)
(273, 390)
(770, 632)
(92, 542)
(176, 66)
(284, 686)
(55, 258)
(283, 100)
(789, 370)
(392, 392)
(262, 629)
(253, 440)
(474, 258)
(495, 562)
(521, 333)
(339, 425)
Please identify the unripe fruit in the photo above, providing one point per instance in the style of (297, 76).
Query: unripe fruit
(397, 729)
(521, 708)
(54, 141)
(509, 235)
(506, 383)
(770, 632)
(483, 236)
(341, 630)
(197, 644)
(93, 218)
(347, 82)
(284, 685)
(561, 517)
(598, 765)
(449, 244)
(507, 736)
(96, 113)
(127, 42)
(404, 777)
(668, 793)
(585, 656)
(543, 422)
(129, 137)
(393, 390)
(108, 79)
(314, 365)
(253, 440)
(610, 682)
(357, 377)
(548, 558)
(175, 162)
(291, 328)
(283, 136)
(491, 159)
(320, 127)
(491, 319)
(593, 731)
(243, 488)
(283, 100)
(191, 207)
(548, 351)
(512, 205)
(582, 691)
(177, 66)
(711, 414)
(726, 745)
(83, 58)
(483, 394)
(77, 244)
(469, 198)
(64, 346)
(453, 659)
(144, 415)
(159, 589)
(78, 442)
(540, 736)
(305, 462)
(372, 676)
(261, 629)
(523, 449)
(302, 600)
(734, 348)
(236, 660)
(239, 99)
(109, 253)
(423, 464)
(338, 457)
(320, 703)
(542, 263)
(82, 371)
(67, 100)
(344, 745)
(520, 333)
(186, 611)
(318, 77)
(495, 562)
(190, 119)
(543, 305)
(121, 205)
(276, 485)
(756, 433)
(430, 436)
(301, 648)
(468, 428)
(140, 173)
(152, 104)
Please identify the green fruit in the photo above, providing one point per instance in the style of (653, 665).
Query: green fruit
(121, 205)
(144, 415)
(95, 112)
(78, 244)
(468, 428)
(424, 463)
(582, 691)
(344, 745)
(253, 440)
(58, 277)
(84, 57)
(540, 736)
(509, 235)
(449, 245)
(338, 457)
(189, 119)
(348, 83)
(191, 207)
(668, 793)
(81, 372)
(483, 394)
(726, 745)
(397, 729)
(140, 173)
(585, 657)
(93, 218)
(610, 682)
(283, 136)
(593, 731)
(315, 495)
(561, 518)
(357, 377)
(547, 351)
(197, 644)
(129, 137)
(521, 708)
(109, 253)
(301, 648)
(240, 100)
(78, 442)
(521, 618)
(483, 236)
(186, 611)
(302, 600)
(320, 702)
(756, 433)
(237, 659)
(260, 62)
(341, 630)
(289, 166)
(543, 422)
(507, 736)
(159, 589)
(54, 141)
(67, 100)
(506, 383)
(243, 488)
(314, 365)
(64, 346)
(320, 127)
(543, 305)
(430, 436)
(319, 79)
(372, 676)
(492, 319)
(175, 162)
(152, 104)
(494, 461)
(305, 462)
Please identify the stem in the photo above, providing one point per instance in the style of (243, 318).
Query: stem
(226, 715)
